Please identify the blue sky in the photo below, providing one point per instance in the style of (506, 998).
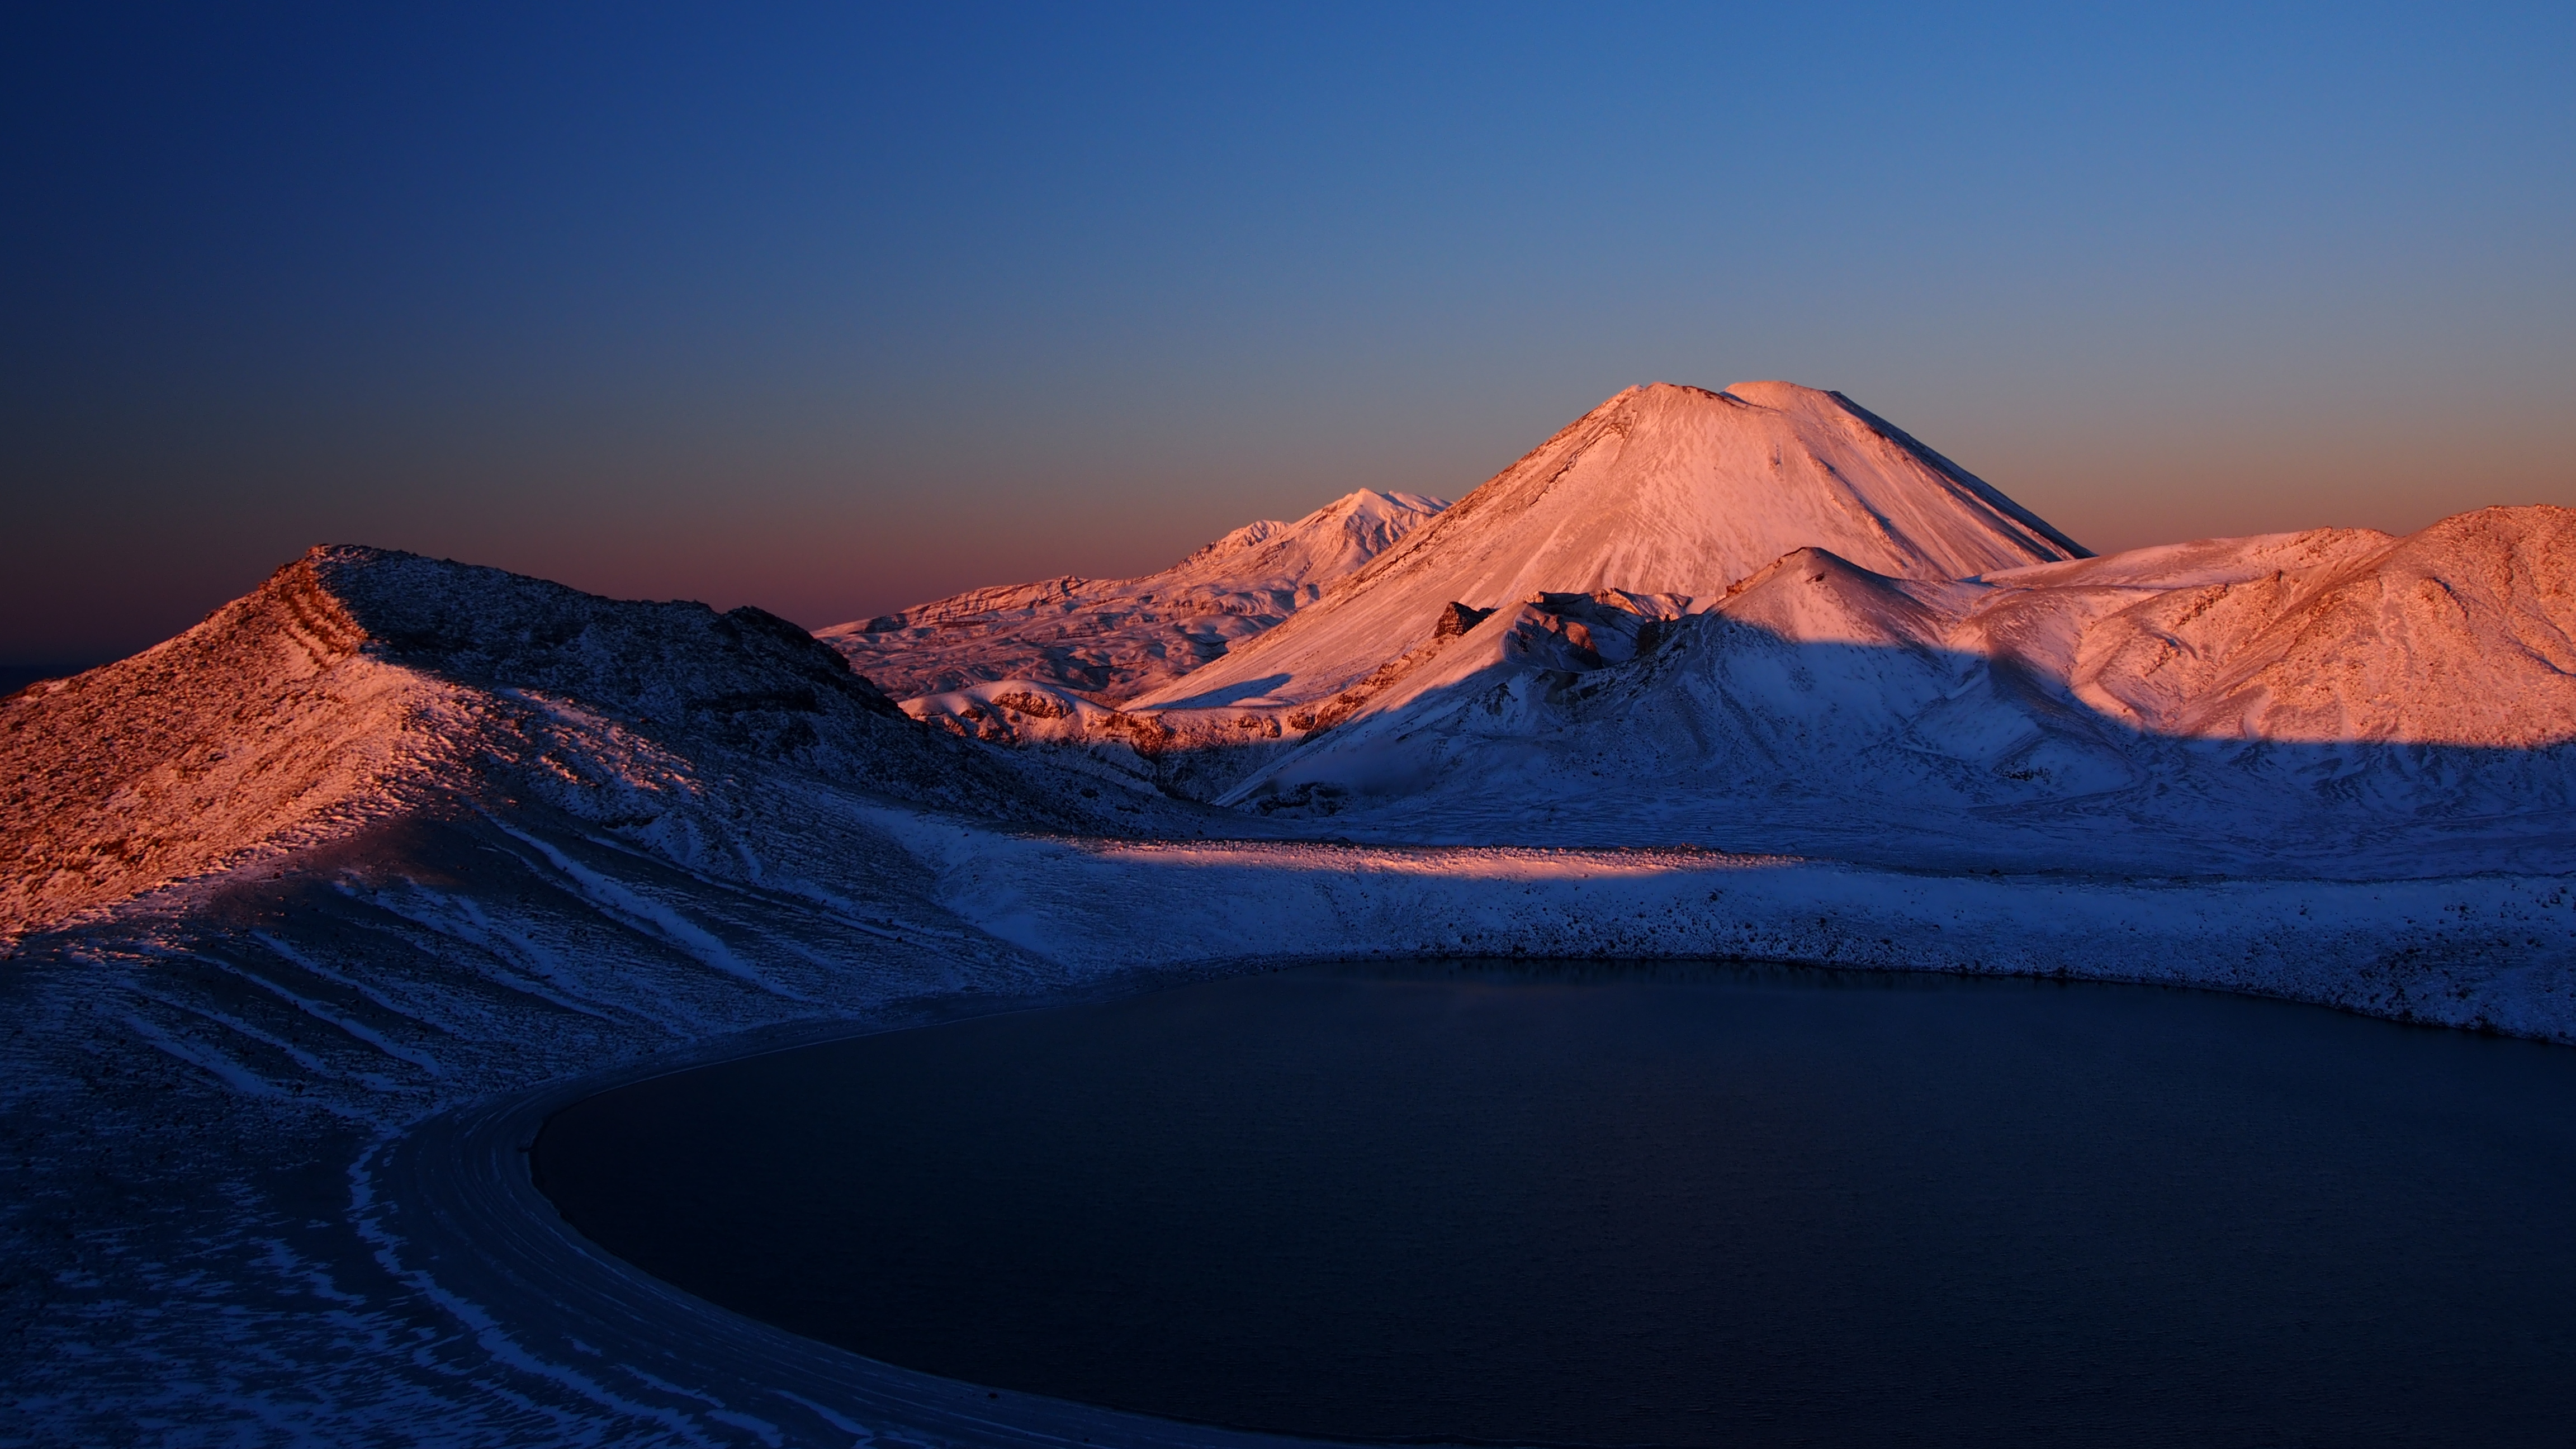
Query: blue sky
(836, 308)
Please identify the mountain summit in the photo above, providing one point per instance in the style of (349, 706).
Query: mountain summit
(1661, 490)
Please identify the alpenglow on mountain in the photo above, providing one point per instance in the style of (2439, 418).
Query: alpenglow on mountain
(314, 914)
(1765, 618)
(1662, 490)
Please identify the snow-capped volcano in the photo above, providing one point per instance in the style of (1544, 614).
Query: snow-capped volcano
(1106, 639)
(1660, 490)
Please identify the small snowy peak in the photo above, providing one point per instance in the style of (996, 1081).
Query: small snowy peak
(1503, 665)
(1562, 632)
(1817, 596)
(1660, 490)
(1330, 543)
(1253, 534)
(1107, 639)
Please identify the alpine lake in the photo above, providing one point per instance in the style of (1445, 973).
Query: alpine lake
(1645, 1204)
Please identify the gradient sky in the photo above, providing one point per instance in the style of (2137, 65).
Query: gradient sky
(839, 308)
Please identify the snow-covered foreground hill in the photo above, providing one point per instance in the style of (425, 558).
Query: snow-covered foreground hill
(1106, 639)
(358, 686)
(312, 913)
(386, 837)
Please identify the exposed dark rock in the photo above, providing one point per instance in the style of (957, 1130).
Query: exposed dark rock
(1457, 619)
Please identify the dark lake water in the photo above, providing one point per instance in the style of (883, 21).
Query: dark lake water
(1653, 1205)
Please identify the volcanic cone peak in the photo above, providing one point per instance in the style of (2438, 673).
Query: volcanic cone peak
(1661, 490)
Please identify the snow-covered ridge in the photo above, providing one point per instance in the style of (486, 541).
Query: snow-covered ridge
(359, 684)
(2461, 634)
(1105, 639)
(2332, 703)
(261, 728)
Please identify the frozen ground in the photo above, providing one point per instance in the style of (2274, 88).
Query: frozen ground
(263, 1142)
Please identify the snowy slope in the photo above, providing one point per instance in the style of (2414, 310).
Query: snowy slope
(1105, 639)
(387, 836)
(318, 910)
(1659, 490)
(1595, 647)
(2462, 634)
(2335, 702)
(357, 685)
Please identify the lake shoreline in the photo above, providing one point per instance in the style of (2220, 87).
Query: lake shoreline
(314, 1217)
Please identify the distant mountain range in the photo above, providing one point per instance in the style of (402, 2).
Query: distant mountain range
(1766, 618)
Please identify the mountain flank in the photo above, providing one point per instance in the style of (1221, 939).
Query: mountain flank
(358, 684)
